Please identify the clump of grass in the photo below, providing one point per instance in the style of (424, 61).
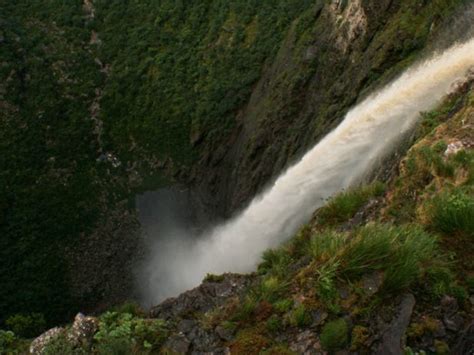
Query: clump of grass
(452, 212)
(344, 205)
(271, 289)
(283, 306)
(247, 308)
(399, 251)
(326, 284)
(275, 262)
(325, 245)
(335, 335)
(300, 317)
(274, 324)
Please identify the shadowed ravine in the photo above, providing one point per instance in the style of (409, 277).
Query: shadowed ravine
(369, 132)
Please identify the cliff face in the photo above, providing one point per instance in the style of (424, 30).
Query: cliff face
(381, 269)
(330, 57)
(101, 99)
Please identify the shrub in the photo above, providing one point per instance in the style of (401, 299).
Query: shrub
(131, 308)
(334, 335)
(452, 213)
(119, 333)
(26, 326)
(60, 345)
(7, 339)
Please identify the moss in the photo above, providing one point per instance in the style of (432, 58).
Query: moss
(359, 337)
(334, 335)
(427, 325)
(249, 341)
(441, 348)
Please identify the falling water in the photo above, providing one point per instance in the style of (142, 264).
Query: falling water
(369, 132)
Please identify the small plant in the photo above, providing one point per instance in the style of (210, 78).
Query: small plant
(335, 335)
(453, 213)
(271, 289)
(300, 317)
(247, 308)
(120, 333)
(274, 324)
(26, 326)
(283, 306)
(326, 286)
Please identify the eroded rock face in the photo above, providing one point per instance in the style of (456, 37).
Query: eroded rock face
(203, 298)
(350, 20)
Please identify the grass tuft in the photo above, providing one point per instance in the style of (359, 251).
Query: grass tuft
(345, 205)
(453, 212)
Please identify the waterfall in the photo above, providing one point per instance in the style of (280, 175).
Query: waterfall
(369, 132)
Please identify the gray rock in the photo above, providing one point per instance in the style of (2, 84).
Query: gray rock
(83, 330)
(453, 322)
(38, 345)
(203, 298)
(318, 317)
(392, 340)
(306, 343)
(449, 305)
(177, 344)
(225, 334)
(186, 326)
(371, 283)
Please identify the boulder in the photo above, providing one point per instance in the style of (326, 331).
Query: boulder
(38, 345)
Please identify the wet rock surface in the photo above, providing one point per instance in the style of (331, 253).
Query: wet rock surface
(203, 298)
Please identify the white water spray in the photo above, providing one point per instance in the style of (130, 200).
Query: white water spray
(368, 133)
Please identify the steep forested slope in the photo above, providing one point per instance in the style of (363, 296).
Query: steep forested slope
(101, 99)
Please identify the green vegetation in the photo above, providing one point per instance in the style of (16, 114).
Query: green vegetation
(344, 205)
(121, 333)
(453, 212)
(299, 316)
(335, 335)
(26, 326)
